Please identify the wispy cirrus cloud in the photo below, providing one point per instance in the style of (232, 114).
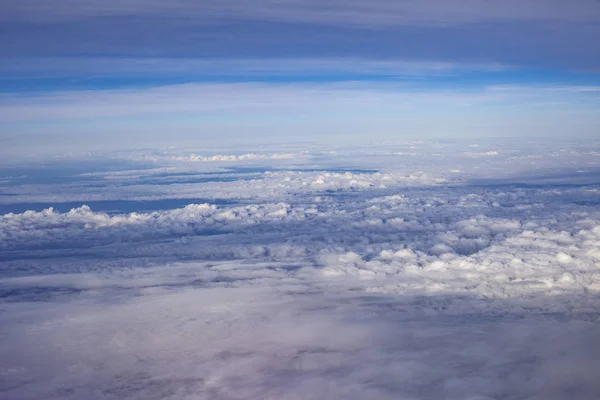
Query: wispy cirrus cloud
(272, 112)
(273, 99)
(374, 13)
(545, 88)
(235, 98)
(544, 32)
(344, 67)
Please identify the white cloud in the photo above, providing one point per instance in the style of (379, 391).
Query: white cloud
(324, 284)
(290, 98)
(225, 99)
(232, 157)
(531, 89)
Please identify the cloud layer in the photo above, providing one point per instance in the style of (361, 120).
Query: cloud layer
(349, 273)
(541, 33)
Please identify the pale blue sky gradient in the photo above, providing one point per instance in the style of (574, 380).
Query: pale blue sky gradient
(108, 74)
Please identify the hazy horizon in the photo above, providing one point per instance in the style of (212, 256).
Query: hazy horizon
(284, 199)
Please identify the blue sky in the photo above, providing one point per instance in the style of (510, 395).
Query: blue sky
(90, 72)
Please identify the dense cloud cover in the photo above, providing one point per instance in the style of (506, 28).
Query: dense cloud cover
(295, 273)
(218, 199)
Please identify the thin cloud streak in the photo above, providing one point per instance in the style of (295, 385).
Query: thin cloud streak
(544, 89)
(545, 33)
(243, 98)
(52, 67)
(376, 13)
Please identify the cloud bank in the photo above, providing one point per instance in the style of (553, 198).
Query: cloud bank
(320, 280)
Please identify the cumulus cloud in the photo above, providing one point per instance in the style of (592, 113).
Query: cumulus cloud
(334, 283)
(233, 157)
(243, 183)
(49, 227)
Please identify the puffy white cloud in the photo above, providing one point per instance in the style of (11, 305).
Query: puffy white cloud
(323, 282)
(229, 157)
(48, 227)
